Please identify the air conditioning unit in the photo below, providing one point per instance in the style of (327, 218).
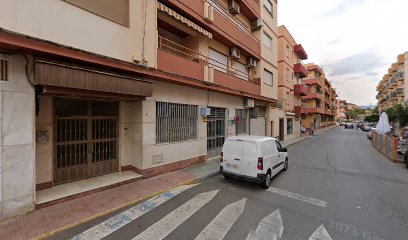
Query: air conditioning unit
(208, 12)
(251, 62)
(249, 103)
(233, 7)
(204, 112)
(235, 53)
(256, 25)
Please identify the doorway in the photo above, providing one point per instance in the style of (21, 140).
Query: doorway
(281, 129)
(85, 139)
(215, 131)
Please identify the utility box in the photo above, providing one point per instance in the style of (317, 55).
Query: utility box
(249, 103)
(204, 112)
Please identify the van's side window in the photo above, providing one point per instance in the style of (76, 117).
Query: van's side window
(279, 146)
(268, 148)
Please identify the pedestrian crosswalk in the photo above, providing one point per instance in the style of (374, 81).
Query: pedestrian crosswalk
(270, 227)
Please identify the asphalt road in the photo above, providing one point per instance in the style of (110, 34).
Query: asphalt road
(337, 187)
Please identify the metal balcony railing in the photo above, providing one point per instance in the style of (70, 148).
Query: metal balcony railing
(189, 54)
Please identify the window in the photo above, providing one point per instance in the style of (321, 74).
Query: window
(289, 126)
(241, 126)
(287, 74)
(217, 60)
(287, 51)
(242, 70)
(268, 5)
(4, 71)
(278, 146)
(268, 77)
(116, 11)
(175, 122)
(267, 40)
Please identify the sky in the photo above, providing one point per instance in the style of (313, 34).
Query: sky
(355, 41)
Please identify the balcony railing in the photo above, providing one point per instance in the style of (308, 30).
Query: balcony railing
(400, 91)
(298, 49)
(300, 89)
(193, 56)
(300, 70)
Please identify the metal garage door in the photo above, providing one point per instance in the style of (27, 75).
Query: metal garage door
(258, 126)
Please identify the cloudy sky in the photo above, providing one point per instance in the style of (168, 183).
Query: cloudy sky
(355, 41)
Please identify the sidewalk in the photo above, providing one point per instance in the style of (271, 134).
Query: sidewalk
(49, 220)
(304, 136)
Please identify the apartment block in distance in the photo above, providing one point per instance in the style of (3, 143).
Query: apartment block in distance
(393, 88)
(291, 88)
(319, 105)
(342, 109)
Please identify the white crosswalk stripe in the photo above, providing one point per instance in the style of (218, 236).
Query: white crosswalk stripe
(169, 223)
(112, 224)
(320, 234)
(299, 197)
(270, 228)
(221, 224)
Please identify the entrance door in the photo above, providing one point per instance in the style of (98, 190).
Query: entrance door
(215, 131)
(272, 133)
(85, 139)
(281, 129)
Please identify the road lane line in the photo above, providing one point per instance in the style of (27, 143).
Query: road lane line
(320, 234)
(171, 221)
(222, 223)
(269, 228)
(299, 197)
(112, 224)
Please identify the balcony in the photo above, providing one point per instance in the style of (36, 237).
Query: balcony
(312, 110)
(300, 89)
(298, 111)
(224, 27)
(298, 49)
(399, 75)
(251, 9)
(313, 81)
(300, 70)
(400, 92)
(177, 59)
(317, 96)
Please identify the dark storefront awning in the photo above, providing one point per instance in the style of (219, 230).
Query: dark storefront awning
(66, 80)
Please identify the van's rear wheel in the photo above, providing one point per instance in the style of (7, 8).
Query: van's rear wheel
(286, 166)
(267, 182)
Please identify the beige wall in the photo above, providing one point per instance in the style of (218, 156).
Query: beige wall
(66, 24)
(17, 147)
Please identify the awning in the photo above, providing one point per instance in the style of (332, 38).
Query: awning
(182, 19)
(62, 79)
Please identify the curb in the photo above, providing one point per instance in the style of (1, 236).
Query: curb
(101, 214)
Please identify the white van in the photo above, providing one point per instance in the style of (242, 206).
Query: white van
(253, 158)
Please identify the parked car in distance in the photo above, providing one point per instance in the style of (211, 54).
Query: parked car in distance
(349, 125)
(366, 127)
(360, 124)
(253, 158)
(342, 123)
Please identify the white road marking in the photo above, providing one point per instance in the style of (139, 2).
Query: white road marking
(299, 197)
(169, 223)
(222, 223)
(320, 234)
(269, 228)
(112, 224)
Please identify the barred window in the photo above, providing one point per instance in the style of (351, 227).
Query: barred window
(241, 126)
(4, 74)
(175, 122)
(289, 126)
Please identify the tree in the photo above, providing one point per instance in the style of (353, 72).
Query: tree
(351, 114)
(372, 118)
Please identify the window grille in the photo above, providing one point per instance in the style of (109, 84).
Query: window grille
(175, 122)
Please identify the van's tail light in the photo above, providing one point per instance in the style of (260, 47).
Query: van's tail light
(222, 158)
(260, 163)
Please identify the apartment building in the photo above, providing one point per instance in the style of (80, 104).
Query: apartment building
(291, 88)
(342, 109)
(393, 88)
(95, 88)
(319, 105)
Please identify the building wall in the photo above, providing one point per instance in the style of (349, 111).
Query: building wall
(66, 24)
(17, 148)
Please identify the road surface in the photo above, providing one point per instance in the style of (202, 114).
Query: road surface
(337, 187)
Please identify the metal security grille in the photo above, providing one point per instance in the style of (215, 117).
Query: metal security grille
(3, 70)
(241, 126)
(85, 139)
(175, 122)
(215, 131)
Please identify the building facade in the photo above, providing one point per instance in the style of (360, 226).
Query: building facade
(319, 105)
(393, 88)
(87, 91)
(342, 109)
(291, 88)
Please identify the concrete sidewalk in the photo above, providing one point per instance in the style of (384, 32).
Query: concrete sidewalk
(49, 220)
(304, 136)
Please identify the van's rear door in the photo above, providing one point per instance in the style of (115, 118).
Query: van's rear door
(232, 154)
(250, 155)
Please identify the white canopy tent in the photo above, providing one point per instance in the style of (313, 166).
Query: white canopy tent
(383, 126)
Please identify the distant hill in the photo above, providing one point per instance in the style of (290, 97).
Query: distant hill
(367, 107)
